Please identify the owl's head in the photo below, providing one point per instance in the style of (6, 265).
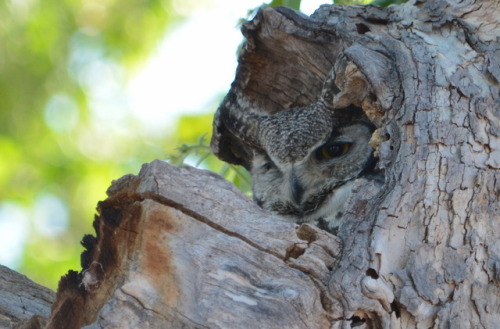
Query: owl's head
(302, 156)
(300, 184)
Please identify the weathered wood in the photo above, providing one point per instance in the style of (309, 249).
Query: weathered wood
(22, 301)
(181, 247)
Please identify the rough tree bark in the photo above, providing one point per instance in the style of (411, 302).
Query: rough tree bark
(180, 247)
(23, 303)
(424, 250)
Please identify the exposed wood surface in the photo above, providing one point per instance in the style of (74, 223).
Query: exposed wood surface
(172, 252)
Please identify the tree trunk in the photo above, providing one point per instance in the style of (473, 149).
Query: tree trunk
(180, 247)
(424, 250)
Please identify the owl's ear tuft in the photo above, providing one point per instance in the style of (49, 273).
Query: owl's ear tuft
(330, 89)
(226, 145)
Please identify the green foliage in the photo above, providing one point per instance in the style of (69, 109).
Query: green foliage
(54, 54)
(205, 159)
(385, 3)
(196, 151)
(294, 4)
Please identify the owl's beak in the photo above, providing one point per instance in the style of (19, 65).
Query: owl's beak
(297, 189)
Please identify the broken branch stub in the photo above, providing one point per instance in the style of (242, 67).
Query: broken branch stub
(179, 247)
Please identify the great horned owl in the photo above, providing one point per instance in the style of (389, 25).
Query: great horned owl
(305, 159)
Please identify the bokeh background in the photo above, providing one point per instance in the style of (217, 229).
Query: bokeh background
(90, 90)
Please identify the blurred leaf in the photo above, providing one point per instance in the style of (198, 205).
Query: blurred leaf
(56, 57)
(385, 3)
(196, 151)
(294, 4)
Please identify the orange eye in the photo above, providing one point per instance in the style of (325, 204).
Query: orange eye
(333, 150)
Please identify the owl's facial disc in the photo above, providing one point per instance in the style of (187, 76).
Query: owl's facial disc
(300, 186)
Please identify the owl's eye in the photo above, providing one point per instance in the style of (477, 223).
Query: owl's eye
(333, 150)
(267, 166)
